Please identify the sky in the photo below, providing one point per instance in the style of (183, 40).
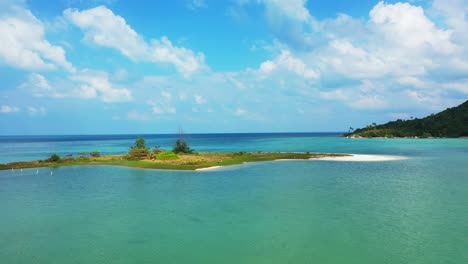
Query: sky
(206, 66)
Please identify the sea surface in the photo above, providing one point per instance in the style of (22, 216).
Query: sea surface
(405, 211)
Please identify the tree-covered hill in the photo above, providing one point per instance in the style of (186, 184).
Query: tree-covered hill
(452, 122)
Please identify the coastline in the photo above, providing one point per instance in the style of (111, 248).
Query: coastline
(187, 164)
(198, 161)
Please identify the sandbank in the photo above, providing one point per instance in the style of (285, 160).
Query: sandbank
(209, 168)
(362, 158)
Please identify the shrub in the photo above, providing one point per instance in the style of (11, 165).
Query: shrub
(83, 154)
(156, 150)
(137, 153)
(138, 150)
(95, 154)
(426, 135)
(182, 146)
(167, 155)
(54, 158)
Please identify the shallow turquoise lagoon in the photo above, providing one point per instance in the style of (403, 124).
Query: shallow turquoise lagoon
(407, 211)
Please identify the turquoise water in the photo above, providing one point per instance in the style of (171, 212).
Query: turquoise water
(406, 211)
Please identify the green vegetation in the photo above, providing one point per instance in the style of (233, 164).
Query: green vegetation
(139, 150)
(182, 158)
(182, 146)
(182, 162)
(451, 123)
(54, 158)
(139, 144)
(168, 155)
(86, 154)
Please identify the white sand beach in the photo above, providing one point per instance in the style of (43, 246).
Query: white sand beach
(362, 158)
(209, 168)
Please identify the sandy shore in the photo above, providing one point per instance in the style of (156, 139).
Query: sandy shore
(362, 158)
(209, 168)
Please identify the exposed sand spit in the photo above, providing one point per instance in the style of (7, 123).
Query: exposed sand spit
(362, 158)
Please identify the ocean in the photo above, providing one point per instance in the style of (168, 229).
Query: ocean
(404, 211)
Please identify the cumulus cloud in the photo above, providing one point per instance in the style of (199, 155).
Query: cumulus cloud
(102, 27)
(240, 112)
(291, 15)
(137, 116)
(23, 43)
(96, 84)
(287, 62)
(33, 111)
(162, 106)
(398, 47)
(196, 4)
(38, 85)
(293, 9)
(85, 84)
(199, 99)
(9, 109)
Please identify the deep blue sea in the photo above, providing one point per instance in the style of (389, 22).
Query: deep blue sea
(406, 211)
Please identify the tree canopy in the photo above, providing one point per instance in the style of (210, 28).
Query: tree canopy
(452, 122)
(138, 150)
(182, 146)
(139, 144)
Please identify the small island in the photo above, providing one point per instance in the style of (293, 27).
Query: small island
(182, 157)
(451, 123)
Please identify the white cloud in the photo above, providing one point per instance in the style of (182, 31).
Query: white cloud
(293, 9)
(412, 58)
(412, 81)
(286, 61)
(199, 99)
(96, 84)
(240, 112)
(350, 68)
(85, 84)
(120, 74)
(9, 109)
(37, 110)
(24, 45)
(405, 25)
(196, 4)
(287, 19)
(40, 81)
(137, 116)
(161, 107)
(369, 102)
(39, 86)
(166, 95)
(102, 27)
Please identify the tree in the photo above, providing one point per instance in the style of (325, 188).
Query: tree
(452, 122)
(139, 144)
(182, 146)
(139, 150)
(54, 158)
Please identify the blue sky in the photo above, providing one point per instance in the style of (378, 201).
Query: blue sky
(113, 66)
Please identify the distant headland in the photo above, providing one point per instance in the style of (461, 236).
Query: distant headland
(450, 123)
